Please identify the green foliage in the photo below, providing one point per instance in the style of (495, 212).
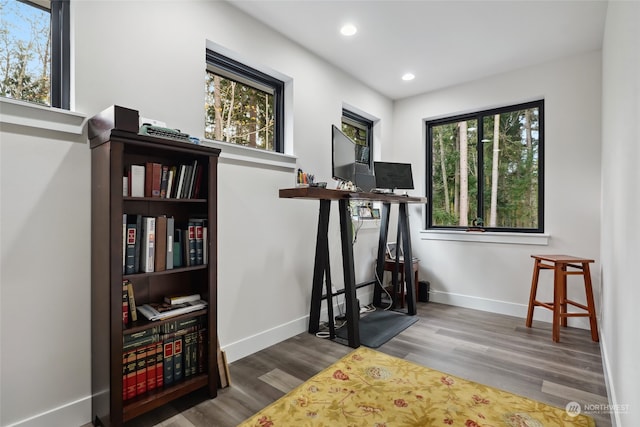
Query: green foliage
(517, 171)
(238, 113)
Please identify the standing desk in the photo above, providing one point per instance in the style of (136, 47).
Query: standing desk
(322, 270)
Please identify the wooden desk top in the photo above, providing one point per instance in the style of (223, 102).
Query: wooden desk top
(318, 193)
(562, 259)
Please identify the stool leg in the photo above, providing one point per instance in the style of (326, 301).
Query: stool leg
(590, 302)
(534, 290)
(563, 298)
(557, 301)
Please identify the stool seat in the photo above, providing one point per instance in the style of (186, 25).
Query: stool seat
(563, 266)
(390, 265)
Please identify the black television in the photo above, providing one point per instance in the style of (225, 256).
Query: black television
(343, 156)
(392, 176)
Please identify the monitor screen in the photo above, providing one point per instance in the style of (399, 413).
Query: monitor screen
(343, 156)
(393, 175)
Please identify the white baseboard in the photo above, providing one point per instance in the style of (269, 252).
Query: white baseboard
(611, 392)
(249, 345)
(500, 307)
(72, 414)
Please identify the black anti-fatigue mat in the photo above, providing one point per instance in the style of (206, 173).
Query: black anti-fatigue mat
(378, 327)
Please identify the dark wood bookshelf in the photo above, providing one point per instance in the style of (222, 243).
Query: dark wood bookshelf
(112, 151)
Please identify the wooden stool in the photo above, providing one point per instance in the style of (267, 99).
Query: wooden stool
(390, 265)
(560, 265)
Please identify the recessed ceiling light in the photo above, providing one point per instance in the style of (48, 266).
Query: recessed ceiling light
(408, 76)
(348, 30)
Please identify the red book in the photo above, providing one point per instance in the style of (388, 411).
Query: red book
(141, 370)
(124, 376)
(153, 179)
(131, 374)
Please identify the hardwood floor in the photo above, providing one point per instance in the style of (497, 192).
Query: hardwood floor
(488, 348)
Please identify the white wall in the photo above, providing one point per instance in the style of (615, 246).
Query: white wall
(620, 207)
(497, 276)
(153, 59)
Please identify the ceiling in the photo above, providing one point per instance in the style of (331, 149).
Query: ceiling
(443, 43)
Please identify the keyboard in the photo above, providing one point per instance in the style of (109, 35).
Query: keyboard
(166, 133)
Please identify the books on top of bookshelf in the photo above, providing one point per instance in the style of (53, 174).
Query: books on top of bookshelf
(159, 311)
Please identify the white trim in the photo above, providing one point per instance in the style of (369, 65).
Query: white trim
(499, 307)
(486, 237)
(608, 381)
(70, 414)
(36, 116)
(254, 156)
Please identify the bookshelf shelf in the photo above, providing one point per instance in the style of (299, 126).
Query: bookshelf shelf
(113, 152)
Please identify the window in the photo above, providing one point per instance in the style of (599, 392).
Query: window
(359, 130)
(243, 106)
(485, 169)
(34, 51)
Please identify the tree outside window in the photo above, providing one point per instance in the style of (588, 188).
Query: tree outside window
(34, 45)
(243, 106)
(486, 170)
(359, 129)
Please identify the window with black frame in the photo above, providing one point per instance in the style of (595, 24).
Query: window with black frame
(485, 170)
(34, 51)
(243, 106)
(359, 130)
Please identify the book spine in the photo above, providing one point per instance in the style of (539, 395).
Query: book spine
(199, 242)
(151, 367)
(133, 314)
(124, 243)
(124, 375)
(202, 349)
(170, 228)
(125, 305)
(192, 242)
(146, 340)
(130, 248)
(153, 179)
(186, 354)
(161, 244)
(177, 248)
(177, 359)
(131, 374)
(205, 245)
(128, 338)
(141, 370)
(147, 257)
(164, 181)
(137, 180)
(138, 223)
(159, 365)
(168, 361)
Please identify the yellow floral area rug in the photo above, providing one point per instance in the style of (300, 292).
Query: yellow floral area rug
(372, 389)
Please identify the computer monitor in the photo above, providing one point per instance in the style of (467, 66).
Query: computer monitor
(343, 156)
(393, 176)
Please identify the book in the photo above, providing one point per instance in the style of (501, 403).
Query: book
(125, 186)
(164, 181)
(140, 342)
(180, 181)
(125, 304)
(130, 382)
(198, 226)
(177, 248)
(151, 367)
(152, 180)
(161, 244)
(124, 376)
(159, 365)
(130, 245)
(133, 314)
(205, 244)
(124, 243)
(198, 184)
(170, 231)
(141, 370)
(159, 311)
(136, 336)
(181, 299)
(167, 361)
(191, 240)
(136, 180)
(147, 242)
(171, 182)
(177, 359)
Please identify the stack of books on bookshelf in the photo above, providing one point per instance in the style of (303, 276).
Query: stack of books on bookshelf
(162, 355)
(163, 310)
(183, 181)
(157, 243)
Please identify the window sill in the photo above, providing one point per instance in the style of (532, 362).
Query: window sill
(486, 237)
(239, 154)
(34, 116)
